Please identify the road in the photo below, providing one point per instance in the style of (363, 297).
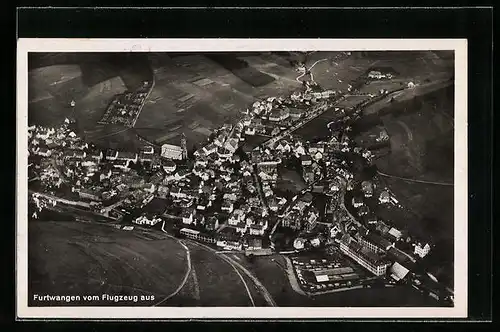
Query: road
(112, 206)
(314, 64)
(59, 199)
(259, 188)
(188, 270)
(415, 180)
(291, 276)
(265, 293)
(226, 258)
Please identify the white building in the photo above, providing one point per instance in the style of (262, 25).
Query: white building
(171, 151)
(375, 74)
(187, 217)
(143, 220)
(422, 251)
(236, 217)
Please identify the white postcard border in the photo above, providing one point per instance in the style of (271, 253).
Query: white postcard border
(192, 45)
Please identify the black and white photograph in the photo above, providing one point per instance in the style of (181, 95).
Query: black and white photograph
(218, 178)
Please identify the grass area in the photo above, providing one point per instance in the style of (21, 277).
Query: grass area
(71, 258)
(291, 180)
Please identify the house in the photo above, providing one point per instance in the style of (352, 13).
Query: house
(363, 210)
(76, 154)
(199, 219)
(254, 243)
(250, 131)
(311, 221)
(273, 204)
(227, 206)
(178, 192)
(230, 196)
(420, 250)
(203, 203)
(209, 149)
(149, 187)
(316, 147)
(367, 188)
(371, 219)
(395, 233)
(236, 217)
(121, 164)
(230, 244)
(398, 271)
(143, 220)
(42, 151)
(212, 223)
(163, 191)
(127, 156)
(292, 220)
(257, 229)
(308, 174)
(305, 160)
(96, 155)
(181, 174)
(90, 194)
(170, 151)
(231, 145)
(283, 146)
(384, 197)
(375, 74)
(277, 115)
(187, 217)
(318, 155)
(105, 175)
(357, 202)
(224, 153)
(147, 149)
(111, 155)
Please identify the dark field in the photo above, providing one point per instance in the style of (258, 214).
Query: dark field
(71, 258)
(213, 283)
(317, 128)
(422, 148)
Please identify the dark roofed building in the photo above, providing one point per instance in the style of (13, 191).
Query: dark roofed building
(375, 243)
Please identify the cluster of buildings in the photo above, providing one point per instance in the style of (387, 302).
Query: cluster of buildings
(224, 196)
(375, 74)
(125, 108)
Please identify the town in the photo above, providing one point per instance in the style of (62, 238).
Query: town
(254, 187)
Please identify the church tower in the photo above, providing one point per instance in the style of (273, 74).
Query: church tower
(184, 146)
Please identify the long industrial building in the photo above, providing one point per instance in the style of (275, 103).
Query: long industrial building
(364, 256)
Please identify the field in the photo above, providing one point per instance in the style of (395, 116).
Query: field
(422, 148)
(318, 127)
(291, 180)
(213, 282)
(70, 258)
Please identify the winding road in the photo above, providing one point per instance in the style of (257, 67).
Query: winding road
(188, 270)
(262, 289)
